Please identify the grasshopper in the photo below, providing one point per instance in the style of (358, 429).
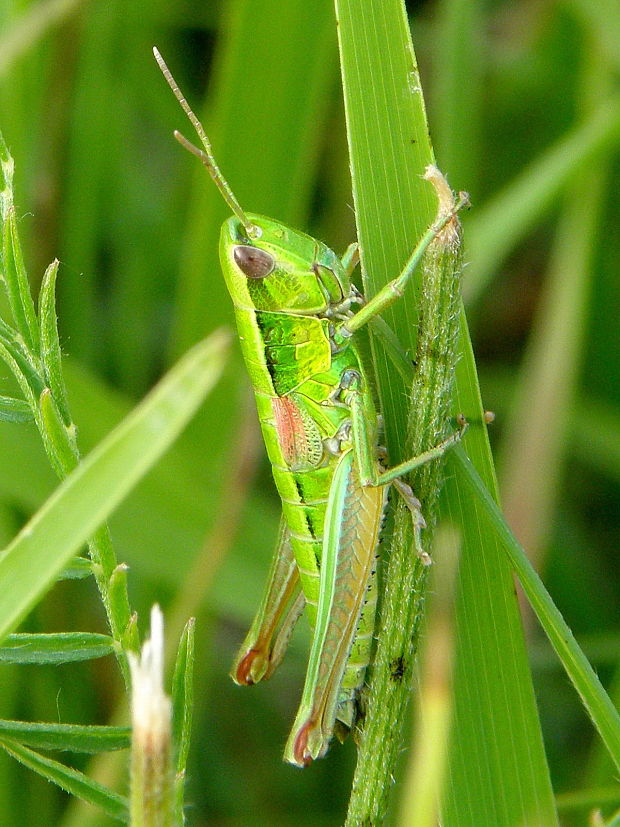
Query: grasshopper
(297, 312)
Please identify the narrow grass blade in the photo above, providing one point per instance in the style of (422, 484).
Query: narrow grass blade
(14, 410)
(86, 498)
(597, 702)
(182, 708)
(51, 355)
(67, 737)
(70, 780)
(16, 282)
(62, 647)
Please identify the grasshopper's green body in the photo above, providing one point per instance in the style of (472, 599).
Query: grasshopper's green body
(294, 304)
(287, 323)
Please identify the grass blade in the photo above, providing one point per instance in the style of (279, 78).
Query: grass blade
(14, 410)
(182, 706)
(85, 499)
(497, 769)
(62, 647)
(67, 737)
(597, 702)
(70, 780)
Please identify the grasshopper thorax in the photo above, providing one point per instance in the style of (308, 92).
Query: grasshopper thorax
(279, 269)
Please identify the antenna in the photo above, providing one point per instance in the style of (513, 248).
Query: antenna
(206, 156)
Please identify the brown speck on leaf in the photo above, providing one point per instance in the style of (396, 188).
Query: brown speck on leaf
(398, 668)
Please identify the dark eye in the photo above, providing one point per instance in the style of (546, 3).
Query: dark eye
(253, 263)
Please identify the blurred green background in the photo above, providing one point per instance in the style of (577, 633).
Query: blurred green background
(525, 114)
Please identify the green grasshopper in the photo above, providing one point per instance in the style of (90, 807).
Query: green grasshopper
(296, 311)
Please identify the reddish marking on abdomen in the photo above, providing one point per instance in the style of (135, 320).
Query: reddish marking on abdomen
(290, 428)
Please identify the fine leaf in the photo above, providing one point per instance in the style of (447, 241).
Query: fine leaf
(51, 355)
(16, 282)
(62, 647)
(182, 707)
(85, 499)
(78, 569)
(14, 410)
(67, 737)
(12, 352)
(59, 445)
(70, 780)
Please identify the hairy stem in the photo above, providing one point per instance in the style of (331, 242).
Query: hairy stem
(405, 579)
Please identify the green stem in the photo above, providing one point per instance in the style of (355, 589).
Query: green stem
(403, 601)
(34, 357)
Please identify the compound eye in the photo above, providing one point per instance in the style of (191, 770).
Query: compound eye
(253, 262)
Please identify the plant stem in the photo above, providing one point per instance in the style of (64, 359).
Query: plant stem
(405, 579)
(32, 351)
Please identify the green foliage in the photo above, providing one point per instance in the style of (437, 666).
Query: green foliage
(67, 737)
(510, 776)
(77, 510)
(523, 115)
(182, 705)
(59, 648)
(70, 780)
(83, 501)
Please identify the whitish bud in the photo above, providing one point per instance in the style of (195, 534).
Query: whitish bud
(151, 713)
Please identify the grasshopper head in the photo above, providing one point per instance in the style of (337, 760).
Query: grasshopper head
(280, 269)
(267, 266)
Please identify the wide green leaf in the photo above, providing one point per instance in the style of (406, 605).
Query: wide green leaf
(497, 770)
